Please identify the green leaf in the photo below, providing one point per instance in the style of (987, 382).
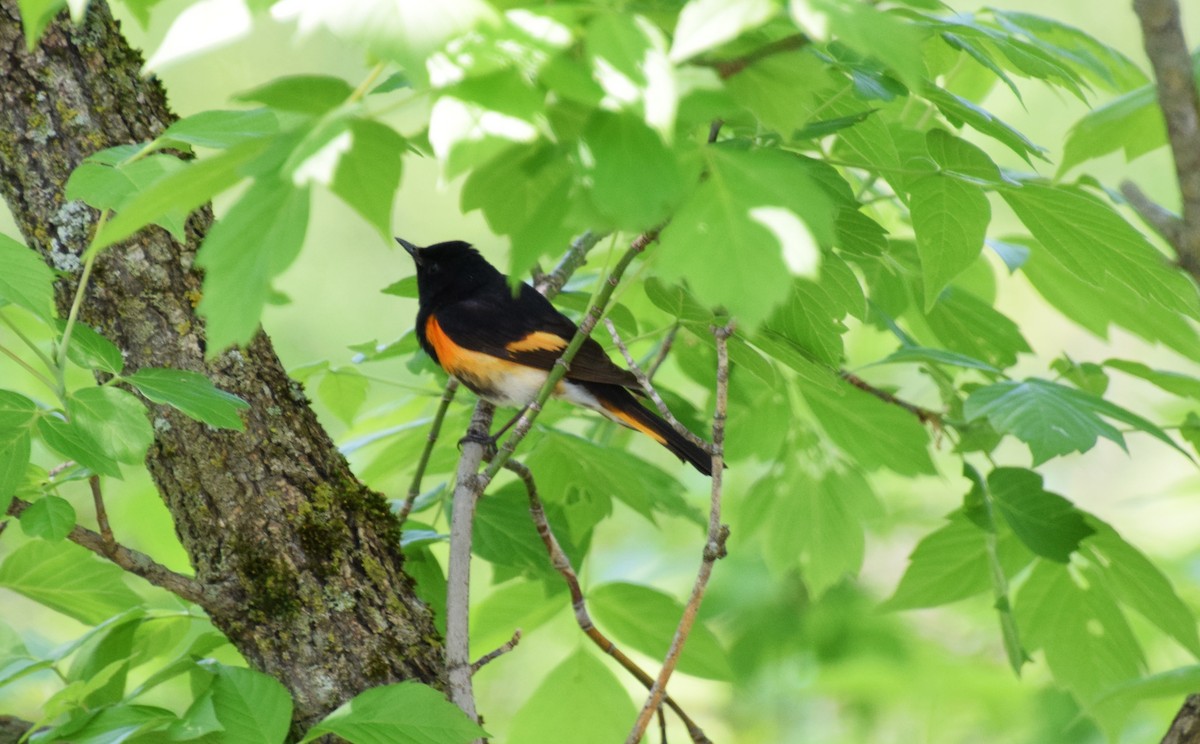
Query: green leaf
(406, 32)
(109, 185)
(15, 449)
(119, 723)
(1129, 576)
(1053, 419)
(406, 713)
(960, 158)
(811, 318)
(781, 91)
(898, 441)
(874, 33)
(1096, 310)
(253, 707)
(950, 219)
(69, 579)
(1132, 122)
(951, 563)
(222, 129)
(1087, 642)
(255, 241)
(517, 604)
(344, 390)
(921, 354)
(307, 94)
(368, 174)
(115, 419)
(90, 350)
(1175, 683)
(524, 194)
(1098, 61)
(1083, 375)
(580, 701)
(959, 111)
(1048, 524)
(184, 190)
(16, 411)
(74, 442)
(645, 619)
(635, 179)
(1096, 244)
(564, 462)
(36, 15)
(757, 214)
(506, 536)
(192, 393)
(24, 279)
(967, 325)
(1175, 383)
(705, 24)
(50, 518)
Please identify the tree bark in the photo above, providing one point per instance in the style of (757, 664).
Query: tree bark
(300, 562)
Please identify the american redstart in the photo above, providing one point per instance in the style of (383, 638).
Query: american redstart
(502, 345)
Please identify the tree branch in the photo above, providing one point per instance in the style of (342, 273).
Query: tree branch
(1165, 222)
(648, 388)
(1185, 729)
(487, 658)
(727, 68)
(714, 548)
(1177, 97)
(562, 564)
(135, 562)
(925, 415)
(435, 429)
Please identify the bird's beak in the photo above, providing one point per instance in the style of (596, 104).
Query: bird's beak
(413, 250)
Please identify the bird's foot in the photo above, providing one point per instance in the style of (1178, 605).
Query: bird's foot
(486, 441)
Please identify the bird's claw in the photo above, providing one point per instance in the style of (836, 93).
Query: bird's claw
(486, 441)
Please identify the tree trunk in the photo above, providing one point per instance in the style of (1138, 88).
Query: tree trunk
(300, 561)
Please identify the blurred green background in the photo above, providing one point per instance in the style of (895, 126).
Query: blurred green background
(850, 673)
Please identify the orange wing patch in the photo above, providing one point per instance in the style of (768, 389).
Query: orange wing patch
(501, 381)
(632, 423)
(449, 354)
(538, 341)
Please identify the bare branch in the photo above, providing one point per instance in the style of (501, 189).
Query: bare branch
(727, 68)
(925, 415)
(664, 348)
(110, 543)
(135, 562)
(469, 486)
(1164, 222)
(648, 388)
(714, 548)
(414, 490)
(1177, 97)
(482, 661)
(562, 564)
(467, 490)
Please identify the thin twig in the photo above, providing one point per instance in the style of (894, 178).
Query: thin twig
(648, 388)
(551, 284)
(714, 547)
(1167, 49)
(525, 422)
(458, 574)
(414, 489)
(664, 349)
(487, 658)
(727, 68)
(136, 563)
(562, 564)
(106, 534)
(925, 415)
(1164, 222)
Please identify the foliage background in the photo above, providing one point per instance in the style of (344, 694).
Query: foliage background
(848, 672)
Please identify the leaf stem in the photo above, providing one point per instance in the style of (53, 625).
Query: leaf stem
(89, 260)
(28, 368)
(27, 341)
(371, 77)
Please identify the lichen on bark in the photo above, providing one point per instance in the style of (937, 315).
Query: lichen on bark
(301, 561)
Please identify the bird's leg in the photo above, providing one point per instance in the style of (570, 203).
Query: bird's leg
(489, 440)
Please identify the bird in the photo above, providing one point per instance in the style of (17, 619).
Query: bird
(502, 344)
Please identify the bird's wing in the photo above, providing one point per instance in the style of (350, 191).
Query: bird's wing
(527, 330)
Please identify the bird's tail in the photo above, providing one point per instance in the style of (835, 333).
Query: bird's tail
(623, 408)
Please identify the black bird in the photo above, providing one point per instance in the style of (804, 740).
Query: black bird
(503, 346)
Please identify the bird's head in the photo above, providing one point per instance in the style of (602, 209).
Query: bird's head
(449, 270)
